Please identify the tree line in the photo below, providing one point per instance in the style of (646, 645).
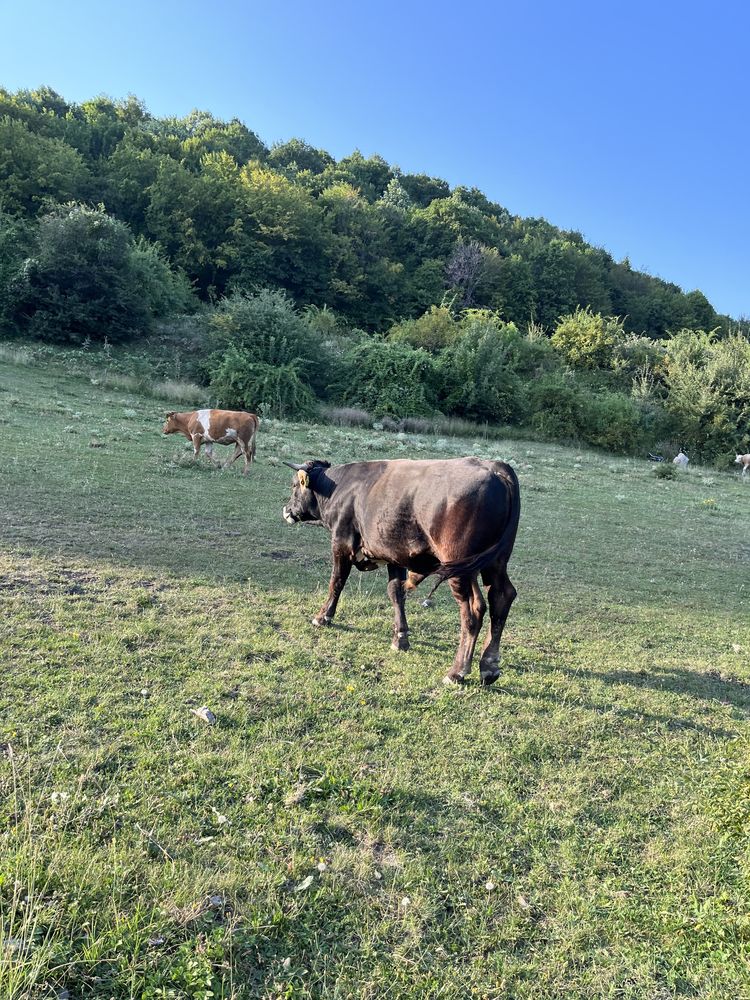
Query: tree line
(387, 290)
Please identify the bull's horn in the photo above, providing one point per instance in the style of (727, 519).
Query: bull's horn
(293, 465)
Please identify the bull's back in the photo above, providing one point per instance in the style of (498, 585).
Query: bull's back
(448, 507)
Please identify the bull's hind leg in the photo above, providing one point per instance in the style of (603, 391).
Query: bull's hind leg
(472, 608)
(500, 596)
(396, 577)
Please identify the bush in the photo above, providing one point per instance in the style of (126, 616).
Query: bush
(666, 470)
(88, 279)
(557, 406)
(240, 381)
(565, 410)
(267, 329)
(15, 245)
(612, 421)
(433, 330)
(708, 382)
(387, 378)
(479, 371)
(586, 339)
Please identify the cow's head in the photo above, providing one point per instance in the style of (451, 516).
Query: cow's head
(303, 503)
(170, 424)
(738, 459)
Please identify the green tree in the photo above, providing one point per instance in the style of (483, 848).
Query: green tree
(89, 279)
(35, 170)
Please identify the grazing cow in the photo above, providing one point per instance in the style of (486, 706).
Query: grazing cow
(454, 518)
(681, 459)
(744, 461)
(212, 427)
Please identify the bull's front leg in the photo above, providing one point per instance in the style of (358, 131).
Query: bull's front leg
(396, 577)
(342, 567)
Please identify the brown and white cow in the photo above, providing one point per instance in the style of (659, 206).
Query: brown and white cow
(212, 427)
(744, 461)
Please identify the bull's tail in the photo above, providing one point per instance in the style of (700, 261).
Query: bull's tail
(501, 549)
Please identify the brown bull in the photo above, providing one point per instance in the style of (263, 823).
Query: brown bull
(453, 518)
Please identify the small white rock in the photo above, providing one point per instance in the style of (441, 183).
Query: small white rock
(206, 714)
(305, 884)
(287, 963)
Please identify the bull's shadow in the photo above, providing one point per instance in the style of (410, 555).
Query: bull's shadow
(683, 682)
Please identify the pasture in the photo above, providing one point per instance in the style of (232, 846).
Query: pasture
(350, 827)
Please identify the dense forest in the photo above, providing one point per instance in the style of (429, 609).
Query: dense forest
(347, 281)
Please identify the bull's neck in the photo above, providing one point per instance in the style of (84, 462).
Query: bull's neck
(325, 496)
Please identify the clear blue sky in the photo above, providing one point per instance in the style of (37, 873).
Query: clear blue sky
(626, 121)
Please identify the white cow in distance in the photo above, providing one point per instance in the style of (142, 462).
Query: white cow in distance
(681, 459)
(744, 461)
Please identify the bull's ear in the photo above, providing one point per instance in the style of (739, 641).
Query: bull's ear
(304, 479)
(171, 413)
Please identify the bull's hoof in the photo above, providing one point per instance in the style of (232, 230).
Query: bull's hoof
(400, 643)
(454, 680)
(321, 620)
(489, 676)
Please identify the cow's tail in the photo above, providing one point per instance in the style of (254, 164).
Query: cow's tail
(501, 549)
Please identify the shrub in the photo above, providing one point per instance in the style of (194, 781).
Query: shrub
(708, 383)
(557, 406)
(479, 371)
(586, 339)
(88, 279)
(666, 470)
(387, 378)
(433, 330)
(612, 420)
(240, 381)
(564, 409)
(267, 328)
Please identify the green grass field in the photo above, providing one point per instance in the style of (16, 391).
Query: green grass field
(350, 827)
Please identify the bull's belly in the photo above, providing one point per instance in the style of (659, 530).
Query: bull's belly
(417, 560)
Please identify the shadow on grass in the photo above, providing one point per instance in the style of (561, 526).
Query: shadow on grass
(636, 715)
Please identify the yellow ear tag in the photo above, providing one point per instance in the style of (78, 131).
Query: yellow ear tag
(304, 479)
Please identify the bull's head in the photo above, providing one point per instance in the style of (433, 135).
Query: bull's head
(170, 424)
(303, 504)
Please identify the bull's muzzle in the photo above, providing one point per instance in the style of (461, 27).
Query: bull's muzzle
(288, 516)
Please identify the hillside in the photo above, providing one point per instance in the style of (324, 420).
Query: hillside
(372, 243)
(351, 827)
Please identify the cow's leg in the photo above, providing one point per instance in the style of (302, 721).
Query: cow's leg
(342, 567)
(197, 441)
(234, 457)
(247, 452)
(472, 607)
(210, 453)
(500, 596)
(396, 577)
